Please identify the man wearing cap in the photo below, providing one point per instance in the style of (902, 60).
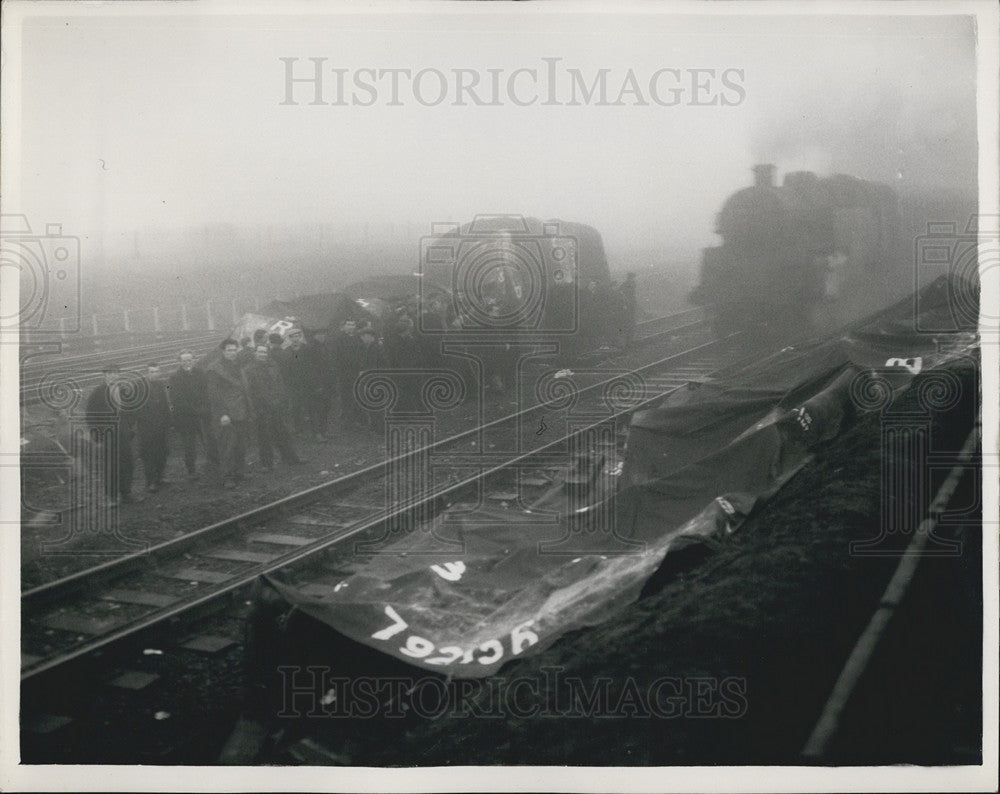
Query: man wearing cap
(429, 333)
(259, 338)
(369, 358)
(230, 405)
(299, 373)
(188, 395)
(275, 342)
(245, 354)
(404, 352)
(346, 346)
(324, 384)
(152, 424)
(270, 403)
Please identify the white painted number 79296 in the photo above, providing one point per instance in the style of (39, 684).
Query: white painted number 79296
(489, 652)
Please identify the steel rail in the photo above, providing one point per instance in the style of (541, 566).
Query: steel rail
(828, 724)
(128, 565)
(99, 356)
(31, 390)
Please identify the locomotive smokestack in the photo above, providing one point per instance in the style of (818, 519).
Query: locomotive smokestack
(763, 175)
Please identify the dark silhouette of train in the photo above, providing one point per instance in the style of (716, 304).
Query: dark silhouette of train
(522, 279)
(813, 248)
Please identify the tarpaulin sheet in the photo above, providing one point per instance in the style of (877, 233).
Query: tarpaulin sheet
(485, 584)
(325, 311)
(320, 312)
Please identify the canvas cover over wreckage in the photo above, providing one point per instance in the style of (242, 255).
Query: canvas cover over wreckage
(484, 584)
(321, 312)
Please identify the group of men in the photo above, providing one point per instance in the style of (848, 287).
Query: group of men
(268, 388)
(123, 410)
(278, 387)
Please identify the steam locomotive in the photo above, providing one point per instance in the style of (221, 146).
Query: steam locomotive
(813, 248)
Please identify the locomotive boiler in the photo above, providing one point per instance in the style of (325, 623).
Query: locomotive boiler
(814, 248)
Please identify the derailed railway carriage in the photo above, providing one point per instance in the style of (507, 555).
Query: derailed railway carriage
(814, 248)
(523, 279)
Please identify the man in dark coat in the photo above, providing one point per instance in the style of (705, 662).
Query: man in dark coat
(404, 351)
(275, 342)
(369, 359)
(111, 419)
(432, 325)
(298, 370)
(270, 404)
(152, 424)
(346, 351)
(324, 384)
(246, 351)
(628, 304)
(499, 362)
(187, 391)
(230, 405)
(402, 348)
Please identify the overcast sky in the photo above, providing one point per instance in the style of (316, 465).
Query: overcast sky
(150, 122)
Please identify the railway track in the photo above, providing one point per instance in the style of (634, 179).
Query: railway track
(96, 358)
(52, 380)
(305, 535)
(81, 613)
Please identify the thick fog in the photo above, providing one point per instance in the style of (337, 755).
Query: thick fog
(180, 153)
